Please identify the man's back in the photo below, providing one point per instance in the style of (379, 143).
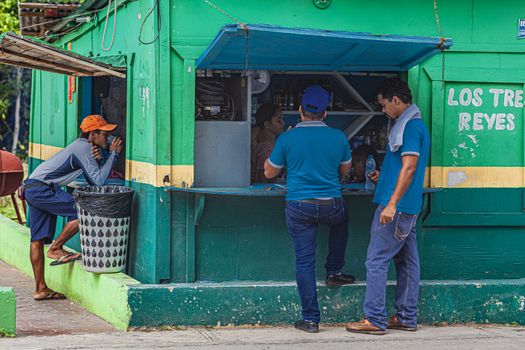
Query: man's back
(312, 153)
(69, 163)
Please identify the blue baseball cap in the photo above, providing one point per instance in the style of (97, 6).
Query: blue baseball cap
(315, 99)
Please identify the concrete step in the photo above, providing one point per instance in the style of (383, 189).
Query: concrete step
(237, 303)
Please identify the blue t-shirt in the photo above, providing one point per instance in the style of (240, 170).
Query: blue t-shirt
(416, 141)
(312, 153)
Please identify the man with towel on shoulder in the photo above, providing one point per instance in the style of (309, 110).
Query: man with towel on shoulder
(399, 195)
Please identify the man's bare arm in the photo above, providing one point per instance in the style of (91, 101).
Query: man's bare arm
(344, 169)
(269, 171)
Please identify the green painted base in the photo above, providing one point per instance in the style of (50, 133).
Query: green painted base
(7, 312)
(124, 302)
(488, 301)
(105, 295)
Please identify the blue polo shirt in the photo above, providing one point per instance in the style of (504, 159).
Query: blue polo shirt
(311, 153)
(416, 141)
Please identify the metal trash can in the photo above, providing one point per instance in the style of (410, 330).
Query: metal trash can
(104, 214)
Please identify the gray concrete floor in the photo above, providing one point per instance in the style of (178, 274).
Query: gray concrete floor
(50, 317)
(448, 338)
(65, 325)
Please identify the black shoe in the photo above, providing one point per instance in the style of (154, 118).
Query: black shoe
(339, 280)
(307, 326)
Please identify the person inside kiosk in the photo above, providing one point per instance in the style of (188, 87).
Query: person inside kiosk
(359, 158)
(269, 125)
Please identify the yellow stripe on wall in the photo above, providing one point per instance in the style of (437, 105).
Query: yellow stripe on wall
(43, 152)
(159, 175)
(435, 177)
(477, 177)
(147, 173)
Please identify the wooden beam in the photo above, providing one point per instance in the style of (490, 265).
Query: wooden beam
(65, 56)
(25, 65)
(43, 60)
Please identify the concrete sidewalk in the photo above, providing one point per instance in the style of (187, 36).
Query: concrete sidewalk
(65, 325)
(50, 317)
(333, 338)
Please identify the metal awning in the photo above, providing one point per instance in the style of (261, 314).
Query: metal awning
(24, 52)
(294, 49)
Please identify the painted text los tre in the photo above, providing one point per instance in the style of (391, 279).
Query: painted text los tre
(466, 97)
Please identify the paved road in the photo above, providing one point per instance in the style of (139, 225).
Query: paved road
(64, 325)
(333, 338)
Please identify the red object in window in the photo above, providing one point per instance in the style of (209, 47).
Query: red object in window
(50, 12)
(71, 88)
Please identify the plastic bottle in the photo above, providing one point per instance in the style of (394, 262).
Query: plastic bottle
(370, 168)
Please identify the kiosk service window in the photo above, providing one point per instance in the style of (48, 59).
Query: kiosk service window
(226, 103)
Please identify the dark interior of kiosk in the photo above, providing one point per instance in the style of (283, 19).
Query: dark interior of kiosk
(226, 102)
(106, 96)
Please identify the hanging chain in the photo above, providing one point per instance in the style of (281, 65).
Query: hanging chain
(242, 24)
(441, 45)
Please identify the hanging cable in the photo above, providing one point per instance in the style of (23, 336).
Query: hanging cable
(441, 45)
(159, 24)
(242, 24)
(103, 43)
(60, 19)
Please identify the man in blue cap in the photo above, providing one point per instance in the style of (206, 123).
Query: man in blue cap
(314, 155)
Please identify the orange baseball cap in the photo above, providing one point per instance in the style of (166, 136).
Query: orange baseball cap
(96, 122)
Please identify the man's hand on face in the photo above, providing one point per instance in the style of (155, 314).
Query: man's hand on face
(387, 215)
(116, 145)
(374, 176)
(95, 152)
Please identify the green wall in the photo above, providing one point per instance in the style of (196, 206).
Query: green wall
(245, 238)
(7, 312)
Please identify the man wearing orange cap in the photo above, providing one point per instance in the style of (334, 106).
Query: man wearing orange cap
(47, 200)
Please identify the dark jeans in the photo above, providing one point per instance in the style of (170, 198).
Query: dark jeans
(395, 240)
(302, 220)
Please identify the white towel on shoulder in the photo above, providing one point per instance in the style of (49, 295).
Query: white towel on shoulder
(395, 138)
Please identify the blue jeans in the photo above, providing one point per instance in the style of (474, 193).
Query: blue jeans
(302, 220)
(395, 240)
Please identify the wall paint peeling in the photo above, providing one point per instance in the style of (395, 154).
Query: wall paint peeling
(456, 177)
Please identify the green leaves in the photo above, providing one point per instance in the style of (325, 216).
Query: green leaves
(8, 16)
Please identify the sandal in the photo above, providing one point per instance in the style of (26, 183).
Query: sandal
(51, 295)
(66, 259)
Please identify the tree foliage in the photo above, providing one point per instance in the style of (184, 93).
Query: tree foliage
(8, 16)
(8, 22)
(10, 86)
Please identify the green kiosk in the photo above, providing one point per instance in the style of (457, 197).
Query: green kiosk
(209, 247)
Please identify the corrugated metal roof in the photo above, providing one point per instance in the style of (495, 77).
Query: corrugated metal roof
(37, 16)
(52, 2)
(87, 6)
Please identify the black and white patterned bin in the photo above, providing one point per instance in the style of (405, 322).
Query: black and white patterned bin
(104, 214)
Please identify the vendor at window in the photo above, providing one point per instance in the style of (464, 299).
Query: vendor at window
(268, 125)
(359, 157)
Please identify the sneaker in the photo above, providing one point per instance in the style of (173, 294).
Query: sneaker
(336, 280)
(394, 323)
(307, 326)
(364, 327)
